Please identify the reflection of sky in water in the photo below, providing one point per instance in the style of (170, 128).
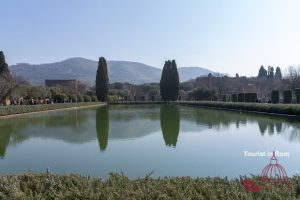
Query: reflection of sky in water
(138, 139)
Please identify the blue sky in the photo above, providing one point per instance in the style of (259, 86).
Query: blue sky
(223, 35)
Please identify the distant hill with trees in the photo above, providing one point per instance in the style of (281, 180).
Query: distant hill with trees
(85, 70)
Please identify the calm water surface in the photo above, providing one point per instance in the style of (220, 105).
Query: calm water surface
(135, 140)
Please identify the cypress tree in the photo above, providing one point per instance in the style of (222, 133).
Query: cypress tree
(169, 82)
(278, 74)
(4, 71)
(102, 80)
(271, 72)
(162, 84)
(262, 73)
(174, 85)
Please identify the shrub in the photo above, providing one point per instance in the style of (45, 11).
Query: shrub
(60, 98)
(202, 94)
(275, 96)
(297, 93)
(80, 99)
(87, 98)
(234, 97)
(287, 96)
(94, 98)
(112, 98)
(224, 97)
(250, 97)
(72, 97)
(241, 97)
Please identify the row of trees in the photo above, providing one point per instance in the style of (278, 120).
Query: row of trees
(263, 73)
(169, 88)
(211, 87)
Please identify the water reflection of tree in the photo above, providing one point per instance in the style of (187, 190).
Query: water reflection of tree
(102, 126)
(219, 119)
(74, 119)
(170, 123)
(286, 126)
(131, 112)
(4, 139)
(14, 130)
(8, 134)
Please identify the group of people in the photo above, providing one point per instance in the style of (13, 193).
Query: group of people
(30, 101)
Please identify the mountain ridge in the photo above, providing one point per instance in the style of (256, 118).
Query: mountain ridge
(85, 70)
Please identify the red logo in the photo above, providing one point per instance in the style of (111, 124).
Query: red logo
(250, 186)
(272, 175)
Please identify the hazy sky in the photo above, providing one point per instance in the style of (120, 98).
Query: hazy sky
(223, 35)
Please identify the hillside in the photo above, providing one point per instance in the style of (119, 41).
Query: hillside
(85, 70)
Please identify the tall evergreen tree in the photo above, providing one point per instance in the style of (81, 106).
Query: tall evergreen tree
(262, 72)
(174, 85)
(4, 71)
(162, 83)
(169, 82)
(278, 74)
(271, 72)
(102, 80)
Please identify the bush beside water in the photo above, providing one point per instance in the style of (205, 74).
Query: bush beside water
(288, 109)
(52, 186)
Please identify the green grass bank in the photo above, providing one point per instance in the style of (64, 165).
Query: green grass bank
(52, 186)
(13, 110)
(134, 102)
(279, 109)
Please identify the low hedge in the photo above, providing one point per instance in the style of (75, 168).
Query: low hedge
(297, 93)
(275, 96)
(287, 96)
(241, 97)
(288, 109)
(87, 98)
(52, 186)
(250, 97)
(224, 97)
(234, 97)
(10, 110)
